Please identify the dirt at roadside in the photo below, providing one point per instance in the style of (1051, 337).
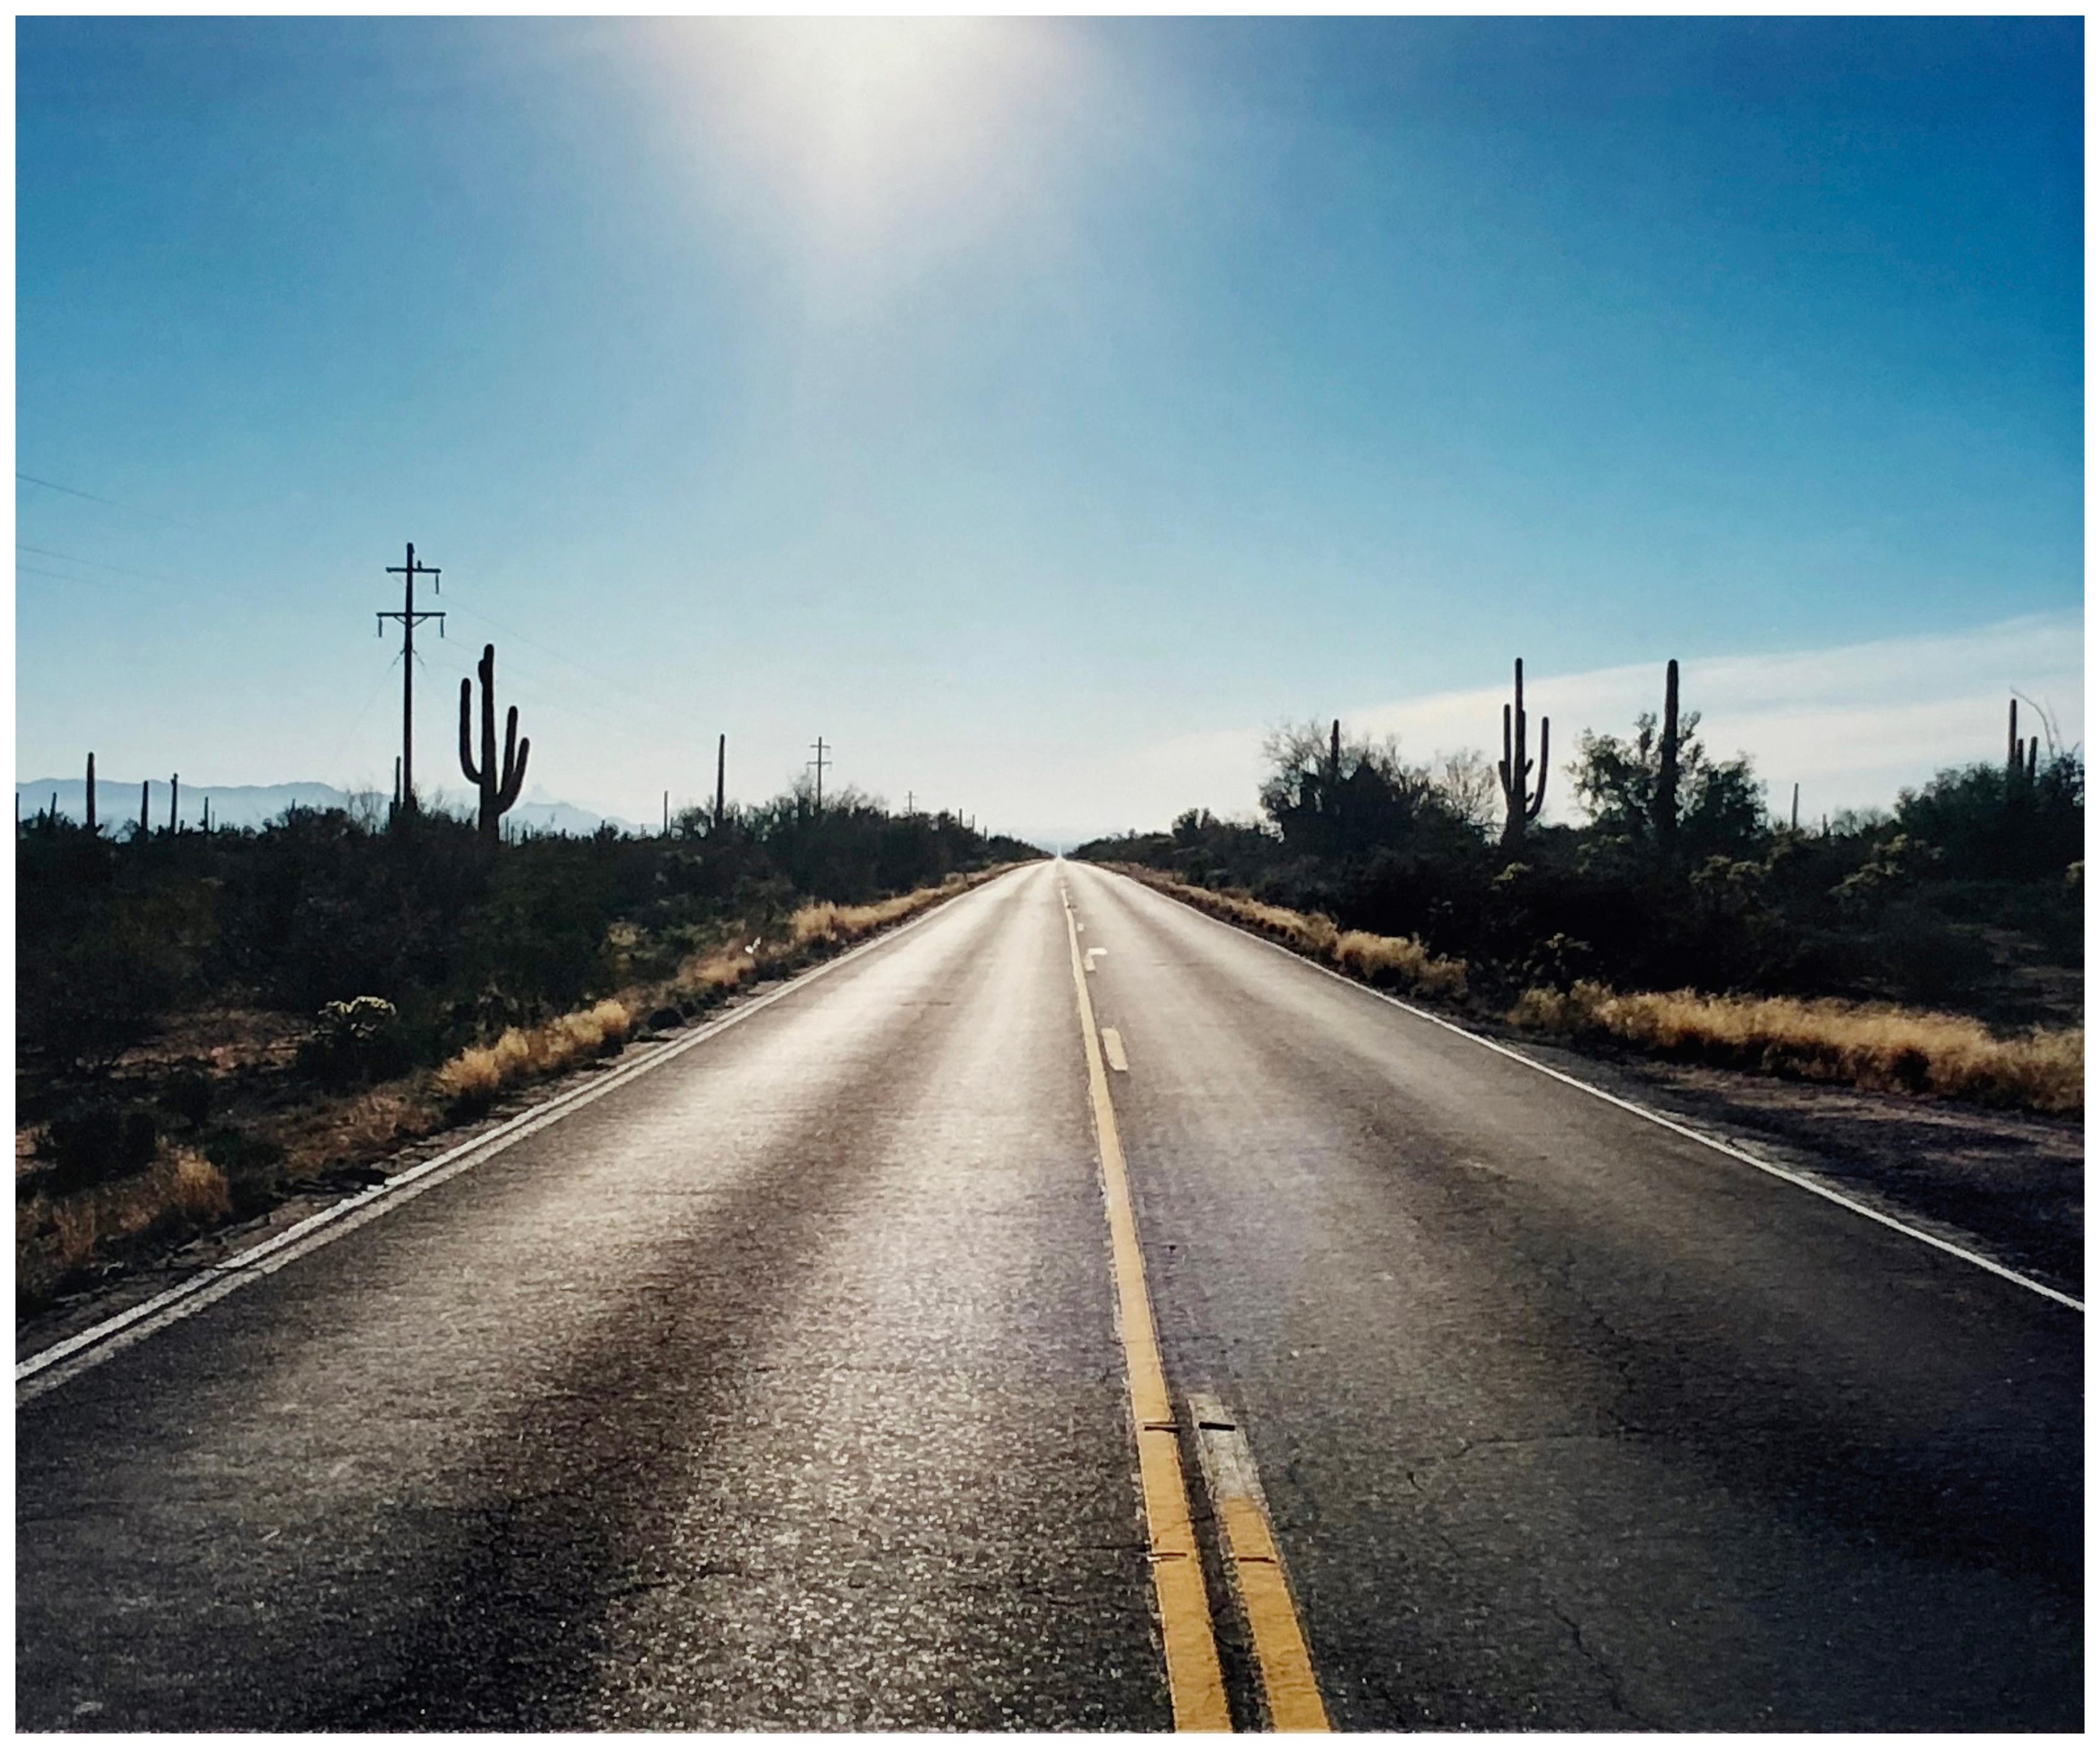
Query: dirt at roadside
(2010, 1185)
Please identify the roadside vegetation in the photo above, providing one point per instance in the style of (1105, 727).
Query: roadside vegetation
(208, 1021)
(1934, 948)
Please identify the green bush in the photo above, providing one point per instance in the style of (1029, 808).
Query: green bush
(354, 1042)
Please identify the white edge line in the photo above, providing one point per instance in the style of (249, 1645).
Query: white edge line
(90, 1347)
(1685, 1130)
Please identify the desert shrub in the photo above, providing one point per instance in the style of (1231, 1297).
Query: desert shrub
(250, 1164)
(97, 1141)
(354, 1042)
(187, 1094)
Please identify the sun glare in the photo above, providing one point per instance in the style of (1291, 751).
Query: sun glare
(862, 125)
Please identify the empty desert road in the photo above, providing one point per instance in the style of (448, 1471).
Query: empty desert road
(788, 1384)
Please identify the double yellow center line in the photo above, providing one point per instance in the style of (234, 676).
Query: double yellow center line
(1194, 1681)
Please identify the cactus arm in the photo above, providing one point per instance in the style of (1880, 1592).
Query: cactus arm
(513, 765)
(1544, 736)
(1502, 769)
(467, 739)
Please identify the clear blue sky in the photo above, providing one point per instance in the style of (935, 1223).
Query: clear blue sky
(1008, 401)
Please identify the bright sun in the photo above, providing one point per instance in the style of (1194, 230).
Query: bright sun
(864, 125)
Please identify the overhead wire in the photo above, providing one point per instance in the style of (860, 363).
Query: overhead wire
(129, 509)
(364, 712)
(75, 558)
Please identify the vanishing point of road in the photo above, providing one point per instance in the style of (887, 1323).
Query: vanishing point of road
(1068, 1311)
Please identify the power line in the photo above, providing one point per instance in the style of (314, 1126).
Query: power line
(629, 686)
(129, 509)
(38, 571)
(74, 558)
(357, 722)
(71, 491)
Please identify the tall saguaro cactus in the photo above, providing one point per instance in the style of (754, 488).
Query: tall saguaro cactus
(90, 792)
(499, 787)
(1521, 800)
(2018, 770)
(1667, 772)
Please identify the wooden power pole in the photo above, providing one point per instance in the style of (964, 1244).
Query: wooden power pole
(819, 762)
(410, 619)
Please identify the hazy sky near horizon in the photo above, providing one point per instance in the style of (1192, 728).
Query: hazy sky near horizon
(1038, 409)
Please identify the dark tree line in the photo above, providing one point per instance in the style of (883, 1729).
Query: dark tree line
(1965, 893)
(460, 936)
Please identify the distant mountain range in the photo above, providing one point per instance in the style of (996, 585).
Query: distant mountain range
(251, 805)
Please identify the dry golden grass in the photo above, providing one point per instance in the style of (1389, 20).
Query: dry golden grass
(56, 1237)
(477, 1073)
(1394, 961)
(1875, 1045)
(1400, 960)
(832, 925)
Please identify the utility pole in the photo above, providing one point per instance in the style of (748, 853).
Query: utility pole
(410, 619)
(908, 804)
(819, 762)
(667, 814)
(721, 769)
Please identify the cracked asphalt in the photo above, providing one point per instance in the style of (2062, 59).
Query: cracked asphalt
(780, 1387)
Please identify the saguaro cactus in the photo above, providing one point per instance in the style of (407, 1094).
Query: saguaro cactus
(1667, 772)
(499, 787)
(174, 801)
(2018, 770)
(145, 800)
(1521, 801)
(90, 792)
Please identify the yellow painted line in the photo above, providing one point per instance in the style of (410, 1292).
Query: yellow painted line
(1194, 1681)
(1112, 1048)
(1256, 1566)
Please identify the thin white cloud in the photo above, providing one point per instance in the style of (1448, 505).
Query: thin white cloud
(1851, 724)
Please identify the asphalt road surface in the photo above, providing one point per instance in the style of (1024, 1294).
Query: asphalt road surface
(786, 1385)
